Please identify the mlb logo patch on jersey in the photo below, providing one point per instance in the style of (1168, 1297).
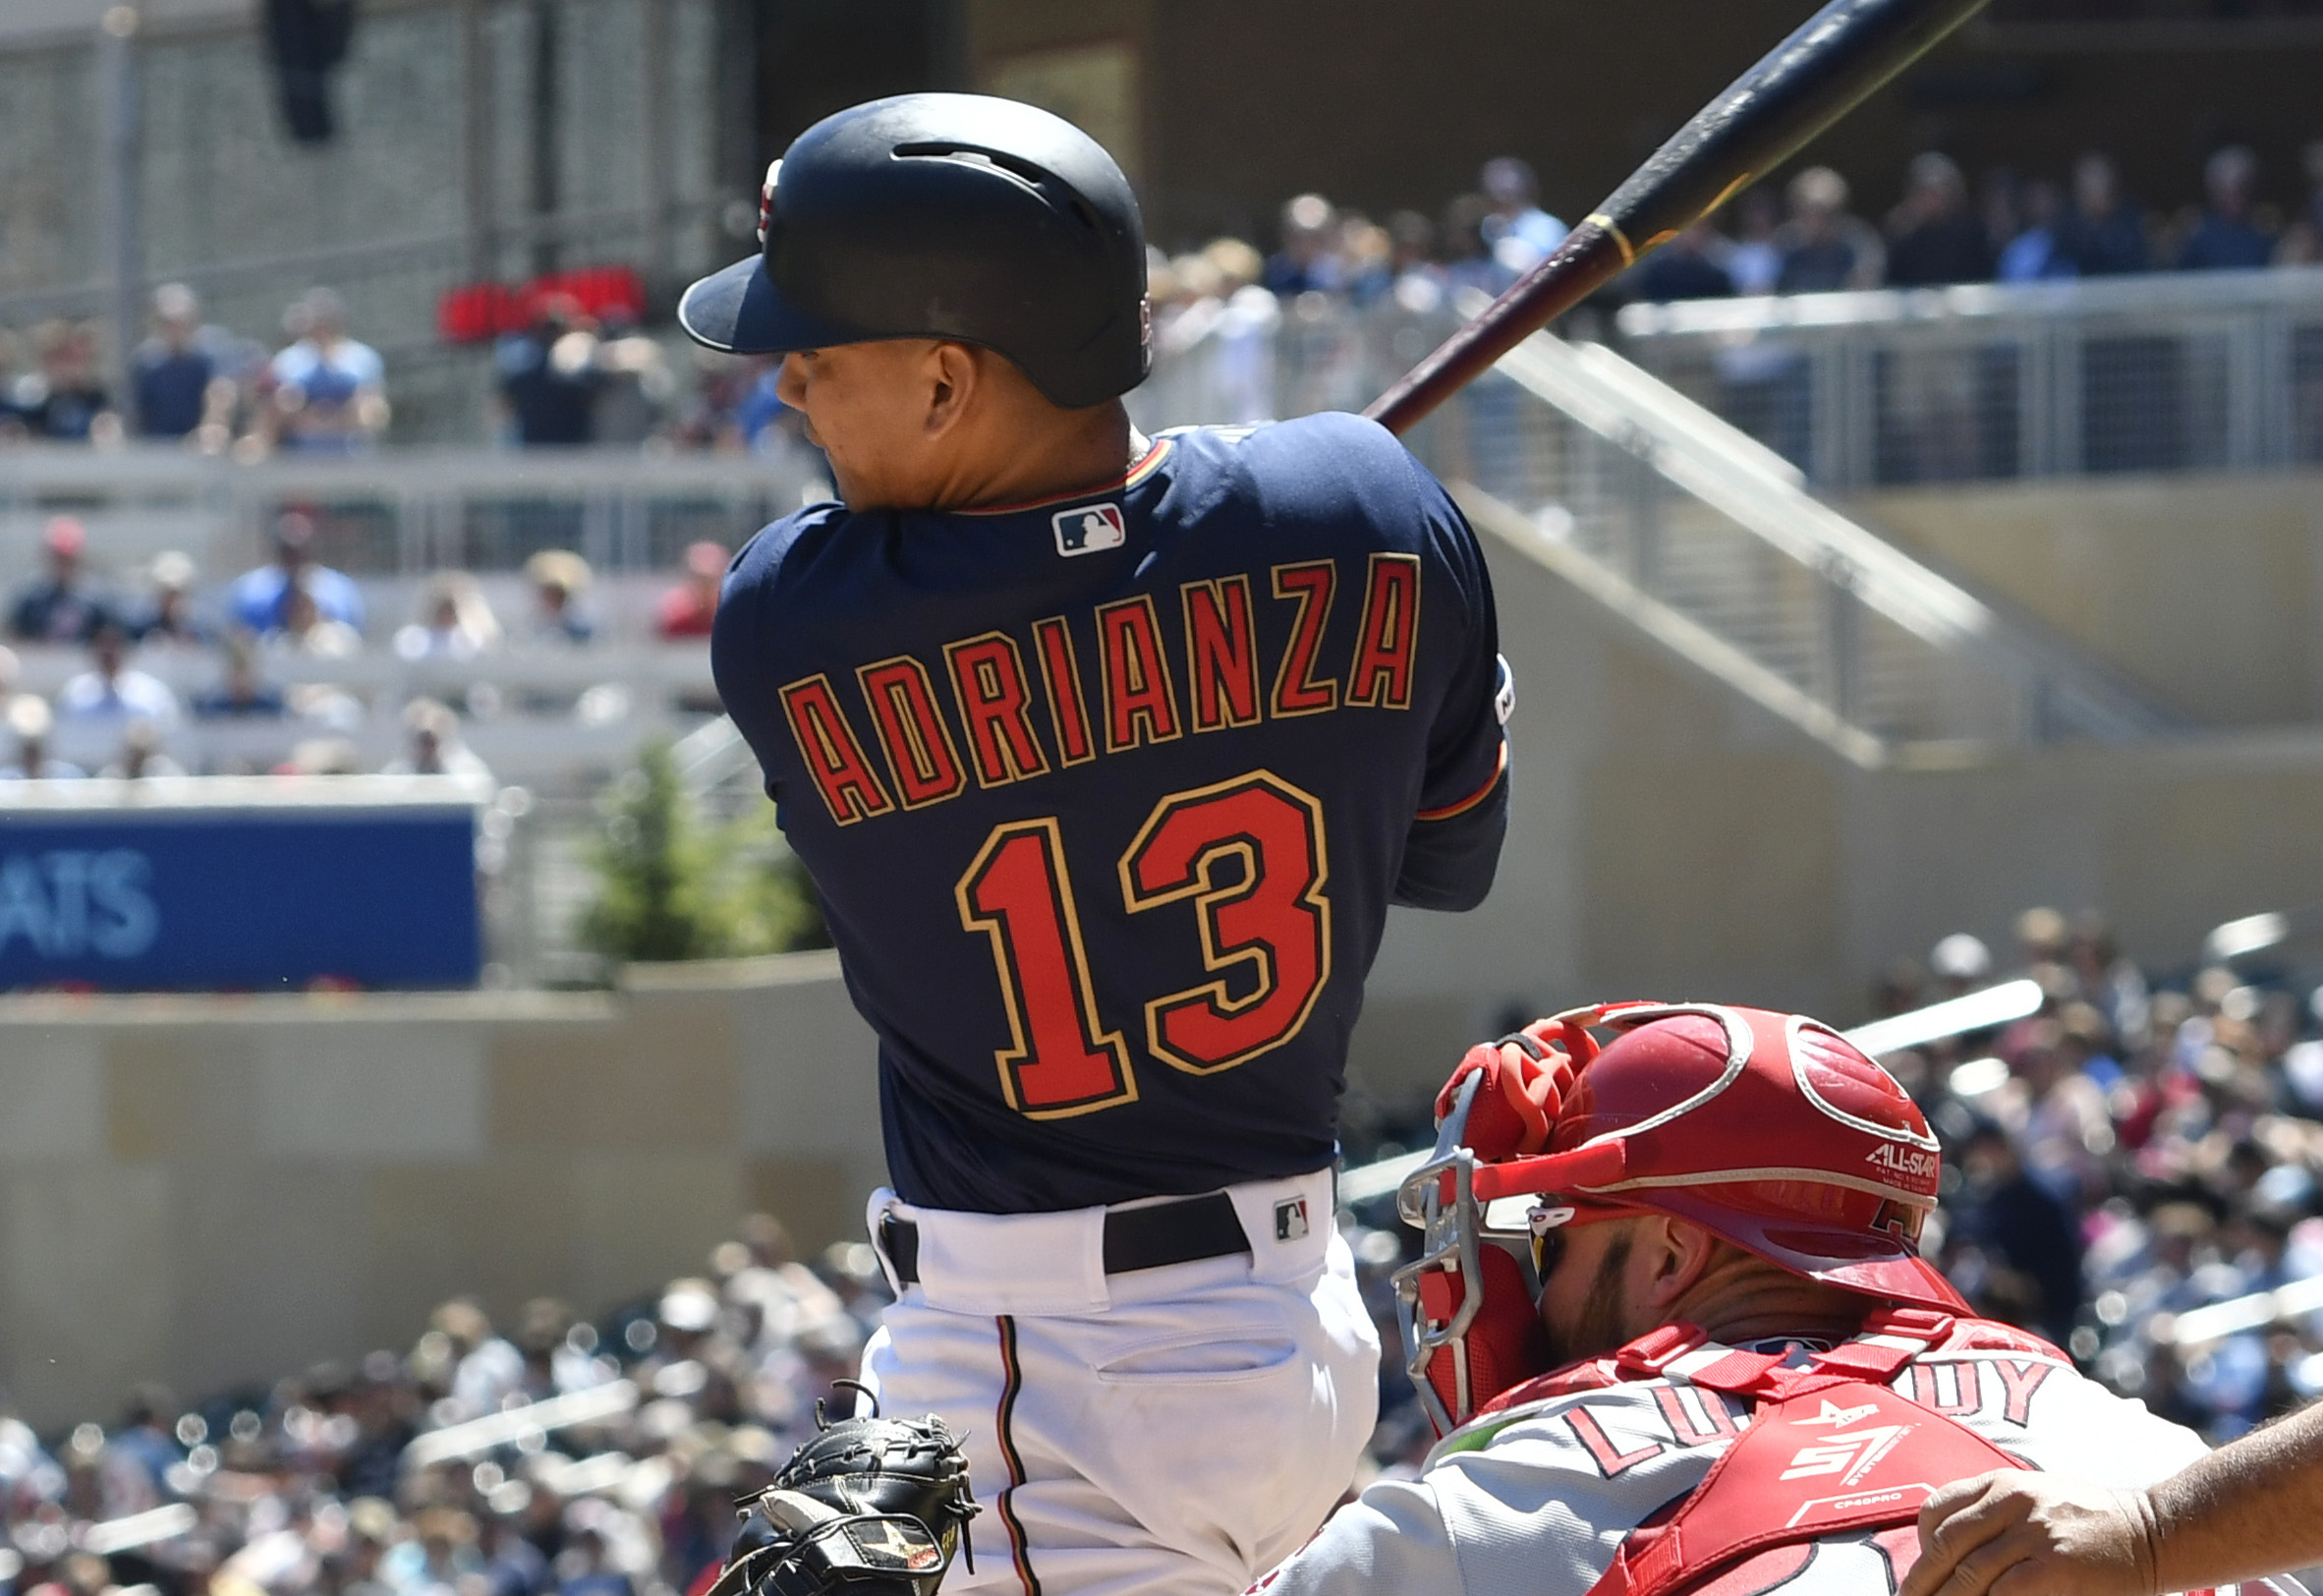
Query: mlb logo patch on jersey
(1088, 528)
(1290, 1218)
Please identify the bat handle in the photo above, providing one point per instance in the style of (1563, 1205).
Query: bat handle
(1591, 255)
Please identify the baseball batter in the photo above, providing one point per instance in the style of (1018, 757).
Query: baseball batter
(1107, 755)
(1754, 1381)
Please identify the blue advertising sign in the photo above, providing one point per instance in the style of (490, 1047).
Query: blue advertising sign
(260, 897)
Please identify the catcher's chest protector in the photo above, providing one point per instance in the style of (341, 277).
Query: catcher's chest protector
(1829, 1450)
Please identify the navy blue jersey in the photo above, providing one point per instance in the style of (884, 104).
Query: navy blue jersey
(1106, 796)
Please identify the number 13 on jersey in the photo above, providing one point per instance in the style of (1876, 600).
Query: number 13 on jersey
(1266, 929)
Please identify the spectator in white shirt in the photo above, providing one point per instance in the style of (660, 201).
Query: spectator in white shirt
(114, 692)
(455, 621)
(435, 747)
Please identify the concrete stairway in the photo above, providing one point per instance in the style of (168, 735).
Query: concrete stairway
(1710, 542)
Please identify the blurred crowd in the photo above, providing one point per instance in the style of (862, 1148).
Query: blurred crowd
(402, 1475)
(565, 379)
(568, 379)
(319, 391)
(1805, 237)
(271, 648)
(2132, 1152)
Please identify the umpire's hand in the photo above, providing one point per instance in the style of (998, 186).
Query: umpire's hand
(2015, 1533)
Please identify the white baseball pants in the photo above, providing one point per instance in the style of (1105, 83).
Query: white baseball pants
(1166, 1431)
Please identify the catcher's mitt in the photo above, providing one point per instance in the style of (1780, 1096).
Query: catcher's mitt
(867, 1507)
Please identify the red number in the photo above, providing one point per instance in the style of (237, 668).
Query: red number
(1274, 922)
(1267, 931)
(1058, 1062)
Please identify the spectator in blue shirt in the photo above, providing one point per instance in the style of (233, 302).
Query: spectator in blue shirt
(329, 391)
(63, 606)
(2034, 254)
(1307, 263)
(1521, 233)
(172, 371)
(513, 1565)
(584, 1569)
(2225, 239)
(2102, 233)
(550, 376)
(141, 1454)
(1684, 269)
(761, 409)
(256, 598)
(244, 695)
(1824, 248)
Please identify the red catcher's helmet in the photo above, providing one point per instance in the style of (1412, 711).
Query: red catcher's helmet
(1770, 1130)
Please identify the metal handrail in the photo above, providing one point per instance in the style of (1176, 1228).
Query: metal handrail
(712, 755)
(153, 468)
(2168, 371)
(1756, 490)
(676, 665)
(1681, 634)
(2158, 293)
(406, 509)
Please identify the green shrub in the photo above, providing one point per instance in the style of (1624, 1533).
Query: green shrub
(671, 888)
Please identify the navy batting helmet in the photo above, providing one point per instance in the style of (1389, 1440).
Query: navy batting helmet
(944, 216)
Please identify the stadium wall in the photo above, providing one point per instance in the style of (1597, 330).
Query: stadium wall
(215, 1190)
(2205, 591)
(1380, 104)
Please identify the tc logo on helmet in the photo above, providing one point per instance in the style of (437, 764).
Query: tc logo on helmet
(1089, 530)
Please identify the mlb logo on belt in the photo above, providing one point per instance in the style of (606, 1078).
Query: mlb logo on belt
(1088, 528)
(1290, 1218)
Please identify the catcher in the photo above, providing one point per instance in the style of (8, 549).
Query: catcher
(1740, 1376)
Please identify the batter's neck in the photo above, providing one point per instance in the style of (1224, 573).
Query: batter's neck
(1090, 448)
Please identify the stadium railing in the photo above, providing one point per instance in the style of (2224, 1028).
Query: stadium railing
(552, 718)
(400, 511)
(2161, 372)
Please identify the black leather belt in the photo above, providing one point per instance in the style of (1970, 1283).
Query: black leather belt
(1179, 1233)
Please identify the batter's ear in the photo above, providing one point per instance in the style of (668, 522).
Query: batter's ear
(955, 379)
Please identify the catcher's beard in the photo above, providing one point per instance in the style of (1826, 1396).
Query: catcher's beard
(1598, 1328)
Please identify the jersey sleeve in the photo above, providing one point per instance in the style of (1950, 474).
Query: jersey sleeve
(1453, 847)
(1391, 1539)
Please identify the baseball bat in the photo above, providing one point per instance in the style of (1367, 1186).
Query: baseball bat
(1804, 85)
